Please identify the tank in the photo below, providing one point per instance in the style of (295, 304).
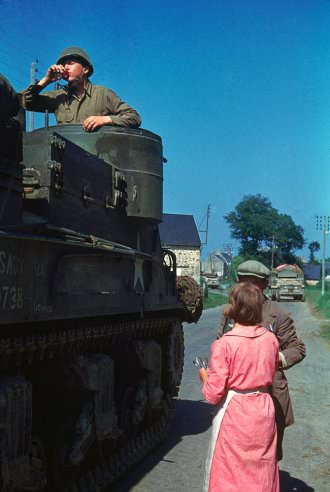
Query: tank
(91, 336)
(287, 282)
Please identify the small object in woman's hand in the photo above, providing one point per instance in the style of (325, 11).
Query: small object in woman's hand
(201, 362)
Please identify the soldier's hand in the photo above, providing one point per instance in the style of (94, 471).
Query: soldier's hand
(55, 72)
(92, 123)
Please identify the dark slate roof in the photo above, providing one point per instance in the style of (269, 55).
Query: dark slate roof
(179, 230)
(313, 272)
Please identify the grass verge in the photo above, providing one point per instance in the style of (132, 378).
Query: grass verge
(320, 307)
(214, 300)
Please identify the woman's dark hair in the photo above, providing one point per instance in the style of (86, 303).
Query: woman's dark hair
(245, 304)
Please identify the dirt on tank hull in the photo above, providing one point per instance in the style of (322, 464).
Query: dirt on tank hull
(91, 339)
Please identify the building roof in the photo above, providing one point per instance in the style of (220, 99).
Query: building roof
(179, 230)
(313, 272)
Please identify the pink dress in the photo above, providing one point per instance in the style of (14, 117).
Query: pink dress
(244, 457)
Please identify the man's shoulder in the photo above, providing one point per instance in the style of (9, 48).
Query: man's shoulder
(99, 88)
(274, 309)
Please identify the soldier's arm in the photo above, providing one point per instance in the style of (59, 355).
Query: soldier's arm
(32, 100)
(292, 348)
(120, 112)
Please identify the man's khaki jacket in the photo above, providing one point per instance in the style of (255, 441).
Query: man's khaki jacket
(293, 350)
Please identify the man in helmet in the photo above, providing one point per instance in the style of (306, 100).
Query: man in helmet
(292, 349)
(79, 101)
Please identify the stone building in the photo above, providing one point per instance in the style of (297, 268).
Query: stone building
(179, 234)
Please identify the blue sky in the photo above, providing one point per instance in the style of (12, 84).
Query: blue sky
(239, 91)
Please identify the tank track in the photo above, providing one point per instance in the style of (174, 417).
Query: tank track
(40, 347)
(98, 337)
(102, 476)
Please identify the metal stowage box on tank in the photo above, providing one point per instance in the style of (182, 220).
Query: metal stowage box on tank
(91, 339)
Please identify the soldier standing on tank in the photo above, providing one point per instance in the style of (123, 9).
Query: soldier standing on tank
(80, 101)
(292, 349)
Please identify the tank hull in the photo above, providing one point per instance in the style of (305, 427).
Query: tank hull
(91, 339)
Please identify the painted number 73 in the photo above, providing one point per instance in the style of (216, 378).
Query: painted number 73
(11, 297)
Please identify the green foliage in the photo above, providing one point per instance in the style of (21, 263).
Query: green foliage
(320, 306)
(257, 224)
(214, 300)
(236, 261)
(313, 247)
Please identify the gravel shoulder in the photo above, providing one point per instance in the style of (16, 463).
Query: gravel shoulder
(307, 442)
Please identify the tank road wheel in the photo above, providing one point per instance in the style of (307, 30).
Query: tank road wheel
(175, 352)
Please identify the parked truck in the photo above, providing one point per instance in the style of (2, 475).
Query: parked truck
(287, 282)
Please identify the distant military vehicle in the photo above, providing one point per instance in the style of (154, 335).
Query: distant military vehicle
(287, 282)
(91, 338)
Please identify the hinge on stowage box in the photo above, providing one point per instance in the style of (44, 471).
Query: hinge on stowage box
(58, 175)
(120, 193)
(56, 141)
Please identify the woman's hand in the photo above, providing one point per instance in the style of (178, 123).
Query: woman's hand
(203, 375)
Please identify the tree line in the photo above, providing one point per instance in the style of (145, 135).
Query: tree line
(265, 234)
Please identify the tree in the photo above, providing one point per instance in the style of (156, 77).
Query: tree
(258, 225)
(313, 247)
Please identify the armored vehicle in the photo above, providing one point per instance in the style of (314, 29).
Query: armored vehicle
(287, 282)
(91, 337)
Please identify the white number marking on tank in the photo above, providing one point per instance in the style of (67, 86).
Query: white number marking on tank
(11, 297)
(11, 264)
(39, 308)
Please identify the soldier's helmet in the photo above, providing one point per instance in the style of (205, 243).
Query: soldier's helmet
(252, 268)
(78, 54)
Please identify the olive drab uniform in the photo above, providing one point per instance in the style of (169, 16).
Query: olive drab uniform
(69, 109)
(278, 320)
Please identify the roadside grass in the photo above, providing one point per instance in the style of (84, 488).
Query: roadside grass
(214, 300)
(320, 306)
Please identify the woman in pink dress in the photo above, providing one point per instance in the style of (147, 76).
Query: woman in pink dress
(242, 451)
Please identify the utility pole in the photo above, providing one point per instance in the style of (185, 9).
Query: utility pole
(33, 71)
(323, 224)
(273, 252)
(208, 213)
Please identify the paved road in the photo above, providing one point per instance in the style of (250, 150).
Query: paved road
(177, 466)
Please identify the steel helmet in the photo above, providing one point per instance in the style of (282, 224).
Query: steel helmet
(76, 53)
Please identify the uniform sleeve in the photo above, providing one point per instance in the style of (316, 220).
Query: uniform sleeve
(9, 103)
(33, 101)
(292, 347)
(121, 113)
(218, 371)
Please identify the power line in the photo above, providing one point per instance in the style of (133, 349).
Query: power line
(13, 56)
(14, 68)
(16, 48)
(17, 58)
